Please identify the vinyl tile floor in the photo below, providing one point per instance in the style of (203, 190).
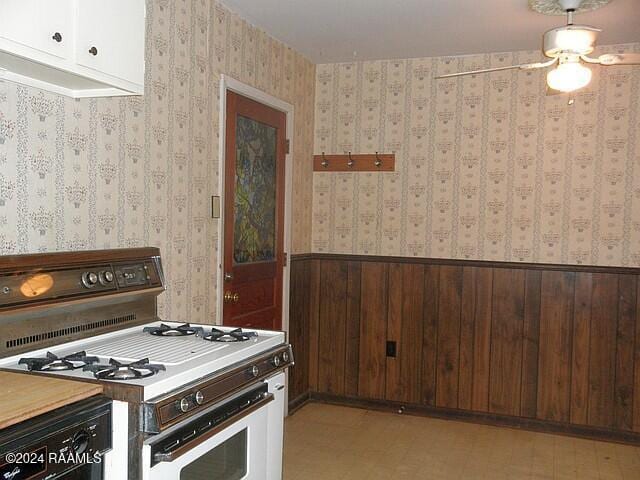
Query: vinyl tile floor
(338, 443)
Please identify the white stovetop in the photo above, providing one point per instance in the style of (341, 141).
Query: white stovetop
(186, 358)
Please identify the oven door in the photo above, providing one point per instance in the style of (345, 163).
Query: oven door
(237, 452)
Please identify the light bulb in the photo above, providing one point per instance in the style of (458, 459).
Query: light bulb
(568, 77)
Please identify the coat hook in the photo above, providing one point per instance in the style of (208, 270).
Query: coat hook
(378, 161)
(350, 162)
(325, 162)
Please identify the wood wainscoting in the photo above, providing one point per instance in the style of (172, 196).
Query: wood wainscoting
(522, 344)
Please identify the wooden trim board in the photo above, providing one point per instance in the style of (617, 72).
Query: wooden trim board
(593, 433)
(361, 162)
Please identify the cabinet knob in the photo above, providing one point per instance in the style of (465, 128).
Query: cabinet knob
(57, 37)
(93, 51)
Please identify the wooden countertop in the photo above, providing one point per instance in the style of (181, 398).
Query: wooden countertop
(23, 396)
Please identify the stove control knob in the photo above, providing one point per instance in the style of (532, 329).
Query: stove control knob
(276, 361)
(184, 405)
(89, 279)
(80, 441)
(199, 397)
(106, 277)
(255, 371)
(285, 356)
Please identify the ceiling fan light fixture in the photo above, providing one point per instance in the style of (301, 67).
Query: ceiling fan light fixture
(576, 39)
(560, 7)
(569, 76)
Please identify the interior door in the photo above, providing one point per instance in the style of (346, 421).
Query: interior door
(253, 214)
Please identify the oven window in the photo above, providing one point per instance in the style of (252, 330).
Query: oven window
(227, 461)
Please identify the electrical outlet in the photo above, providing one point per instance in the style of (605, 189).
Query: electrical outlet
(391, 349)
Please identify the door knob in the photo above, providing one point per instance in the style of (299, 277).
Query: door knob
(230, 297)
(93, 51)
(57, 37)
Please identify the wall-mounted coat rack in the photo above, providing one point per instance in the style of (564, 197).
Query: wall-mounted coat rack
(361, 162)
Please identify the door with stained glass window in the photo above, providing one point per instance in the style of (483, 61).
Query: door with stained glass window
(255, 142)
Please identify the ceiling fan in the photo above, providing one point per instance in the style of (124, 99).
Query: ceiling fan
(568, 47)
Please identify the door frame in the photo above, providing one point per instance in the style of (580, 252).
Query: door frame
(229, 83)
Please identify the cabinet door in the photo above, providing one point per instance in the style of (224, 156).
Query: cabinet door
(110, 37)
(46, 26)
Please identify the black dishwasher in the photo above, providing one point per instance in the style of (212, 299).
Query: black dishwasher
(67, 443)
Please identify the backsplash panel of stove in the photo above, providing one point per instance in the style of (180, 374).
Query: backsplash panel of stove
(126, 172)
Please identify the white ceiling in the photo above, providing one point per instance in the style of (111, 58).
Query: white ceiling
(328, 31)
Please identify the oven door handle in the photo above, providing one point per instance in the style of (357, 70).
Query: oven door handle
(181, 448)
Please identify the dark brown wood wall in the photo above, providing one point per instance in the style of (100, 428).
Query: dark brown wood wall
(550, 343)
(299, 329)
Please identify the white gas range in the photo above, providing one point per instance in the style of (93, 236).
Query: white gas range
(183, 358)
(187, 398)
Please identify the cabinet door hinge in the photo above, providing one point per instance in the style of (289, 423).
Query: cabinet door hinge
(286, 257)
(287, 146)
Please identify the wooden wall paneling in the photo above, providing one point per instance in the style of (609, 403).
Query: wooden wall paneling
(467, 331)
(604, 312)
(481, 337)
(314, 323)
(449, 307)
(295, 320)
(373, 330)
(556, 329)
(625, 345)
(548, 344)
(404, 326)
(430, 334)
(531, 344)
(636, 383)
(352, 329)
(506, 341)
(393, 384)
(332, 321)
(299, 314)
(467, 335)
(412, 327)
(580, 350)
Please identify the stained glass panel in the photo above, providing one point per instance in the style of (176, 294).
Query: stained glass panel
(254, 236)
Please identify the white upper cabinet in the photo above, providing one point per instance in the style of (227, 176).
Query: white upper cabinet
(110, 37)
(37, 24)
(79, 48)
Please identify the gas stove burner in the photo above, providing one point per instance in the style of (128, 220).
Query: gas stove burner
(237, 335)
(116, 370)
(165, 330)
(53, 363)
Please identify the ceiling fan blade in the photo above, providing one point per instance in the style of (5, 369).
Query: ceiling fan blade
(524, 66)
(619, 59)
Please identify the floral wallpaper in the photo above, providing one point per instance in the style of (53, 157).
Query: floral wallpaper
(487, 167)
(136, 171)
